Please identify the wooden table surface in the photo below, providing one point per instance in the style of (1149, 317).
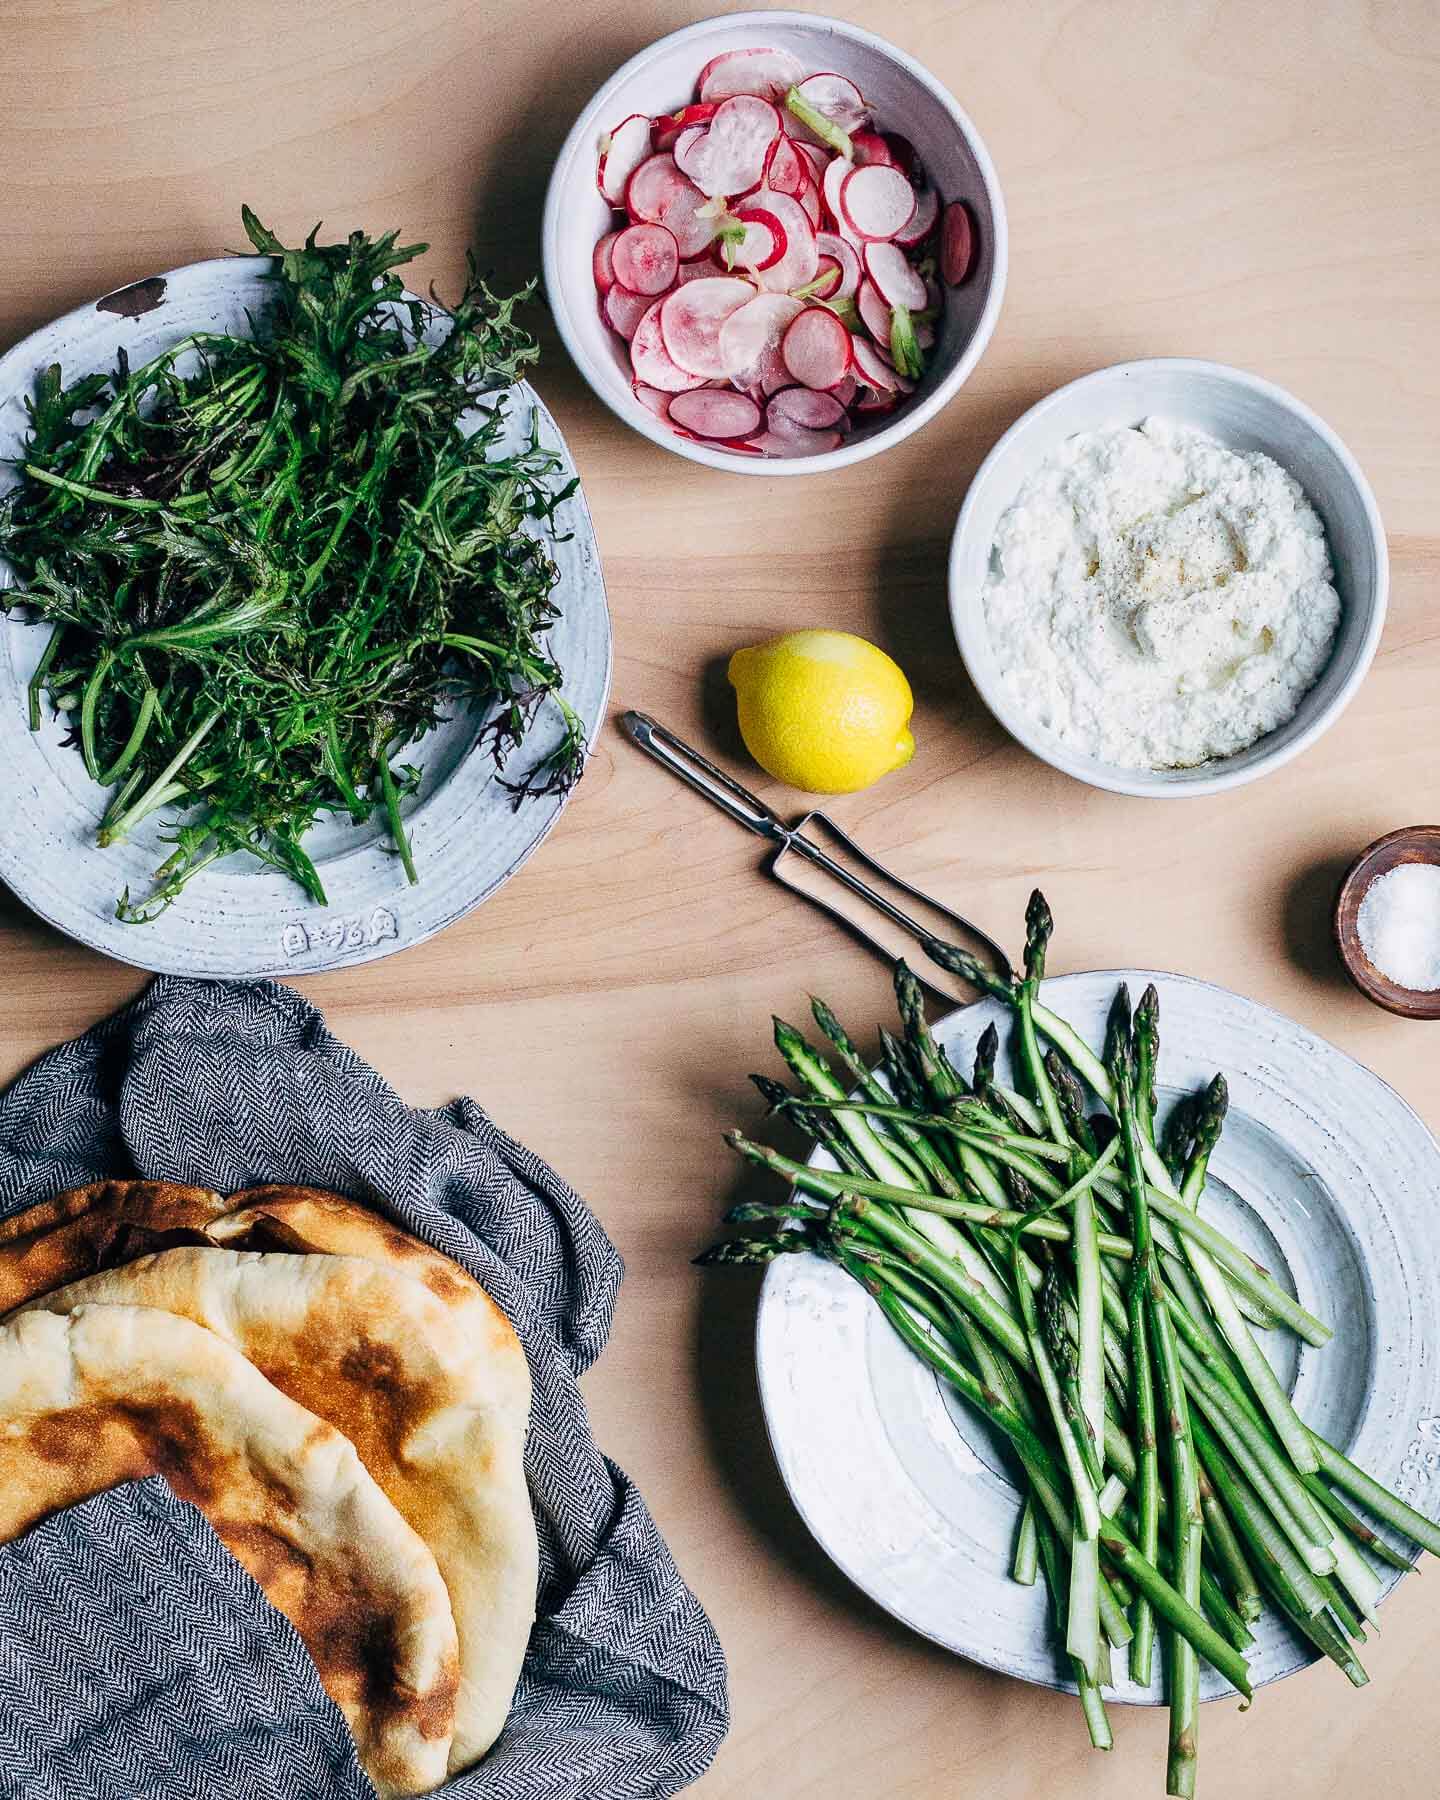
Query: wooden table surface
(1251, 183)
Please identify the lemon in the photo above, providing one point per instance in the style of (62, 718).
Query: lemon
(823, 710)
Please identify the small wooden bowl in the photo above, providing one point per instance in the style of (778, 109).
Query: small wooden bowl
(1411, 844)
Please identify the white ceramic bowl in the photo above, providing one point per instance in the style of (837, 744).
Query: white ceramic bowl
(1247, 414)
(905, 98)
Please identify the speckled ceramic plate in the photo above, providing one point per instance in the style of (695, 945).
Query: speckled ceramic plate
(239, 919)
(1323, 1172)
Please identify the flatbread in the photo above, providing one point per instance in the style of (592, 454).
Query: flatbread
(437, 1415)
(108, 1394)
(96, 1227)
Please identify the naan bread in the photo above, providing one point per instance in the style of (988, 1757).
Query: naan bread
(96, 1227)
(108, 1394)
(437, 1413)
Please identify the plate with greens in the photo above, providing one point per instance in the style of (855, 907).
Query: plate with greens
(307, 637)
(1101, 1347)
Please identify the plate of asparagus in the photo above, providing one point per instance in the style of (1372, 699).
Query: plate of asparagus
(1096, 1341)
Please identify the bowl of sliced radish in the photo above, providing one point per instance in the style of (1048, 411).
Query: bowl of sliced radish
(774, 243)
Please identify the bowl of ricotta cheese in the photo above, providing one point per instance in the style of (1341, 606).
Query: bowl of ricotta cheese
(1168, 578)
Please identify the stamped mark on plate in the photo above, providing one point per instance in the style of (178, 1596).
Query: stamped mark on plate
(1422, 1461)
(340, 934)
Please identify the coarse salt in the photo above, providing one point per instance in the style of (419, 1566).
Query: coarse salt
(1399, 925)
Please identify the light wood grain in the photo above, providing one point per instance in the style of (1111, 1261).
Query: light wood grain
(1252, 183)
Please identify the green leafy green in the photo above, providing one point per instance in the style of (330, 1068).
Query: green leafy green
(268, 563)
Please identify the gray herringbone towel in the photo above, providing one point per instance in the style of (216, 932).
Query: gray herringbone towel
(138, 1661)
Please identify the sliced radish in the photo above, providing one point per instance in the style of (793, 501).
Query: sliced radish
(816, 348)
(601, 262)
(667, 128)
(957, 243)
(804, 406)
(872, 369)
(653, 400)
(716, 413)
(830, 185)
(769, 73)
(699, 268)
(829, 278)
(786, 170)
(874, 404)
(846, 392)
(876, 201)
(841, 250)
(691, 321)
(801, 258)
(809, 198)
(685, 143)
(645, 259)
(897, 282)
(750, 341)
(922, 220)
(874, 313)
(650, 360)
(728, 156)
(794, 440)
(621, 153)
(659, 194)
(622, 311)
(815, 154)
(870, 147)
(835, 98)
(764, 242)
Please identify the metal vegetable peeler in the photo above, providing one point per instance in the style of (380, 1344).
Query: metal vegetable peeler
(796, 851)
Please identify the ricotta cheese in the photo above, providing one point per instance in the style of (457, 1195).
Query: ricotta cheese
(1156, 599)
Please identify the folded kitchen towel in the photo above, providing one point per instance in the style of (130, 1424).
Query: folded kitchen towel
(622, 1696)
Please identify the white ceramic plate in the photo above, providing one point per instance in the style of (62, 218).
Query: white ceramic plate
(913, 1498)
(238, 919)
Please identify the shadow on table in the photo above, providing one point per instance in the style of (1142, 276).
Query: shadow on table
(1307, 916)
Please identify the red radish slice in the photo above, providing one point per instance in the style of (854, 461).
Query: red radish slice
(653, 187)
(837, 98)
(896, 281)
(750, 341)
(830, 185)
(668, 126)
(621, 153)
(809, 198)
(924, 334)
(645, 259)
(829, 278)
(922, 220)
(728, 156)
(797, 442)
(659, 194)
(623, 311)
(685, 143)
(816, 155)
(701, 268)
(872, 369)
(691, 319)
(716, 413)
(870, 147)
(876, 201)
(764, 242)
(816, 349)
(876, 404)
(651, 361)
(846, 391)
(601, 262)
(874, 313)
(786, 170)
(803, 406)
(957, 243)
(653, 400)
(840, 250)
(801, 258)
(769, 73)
